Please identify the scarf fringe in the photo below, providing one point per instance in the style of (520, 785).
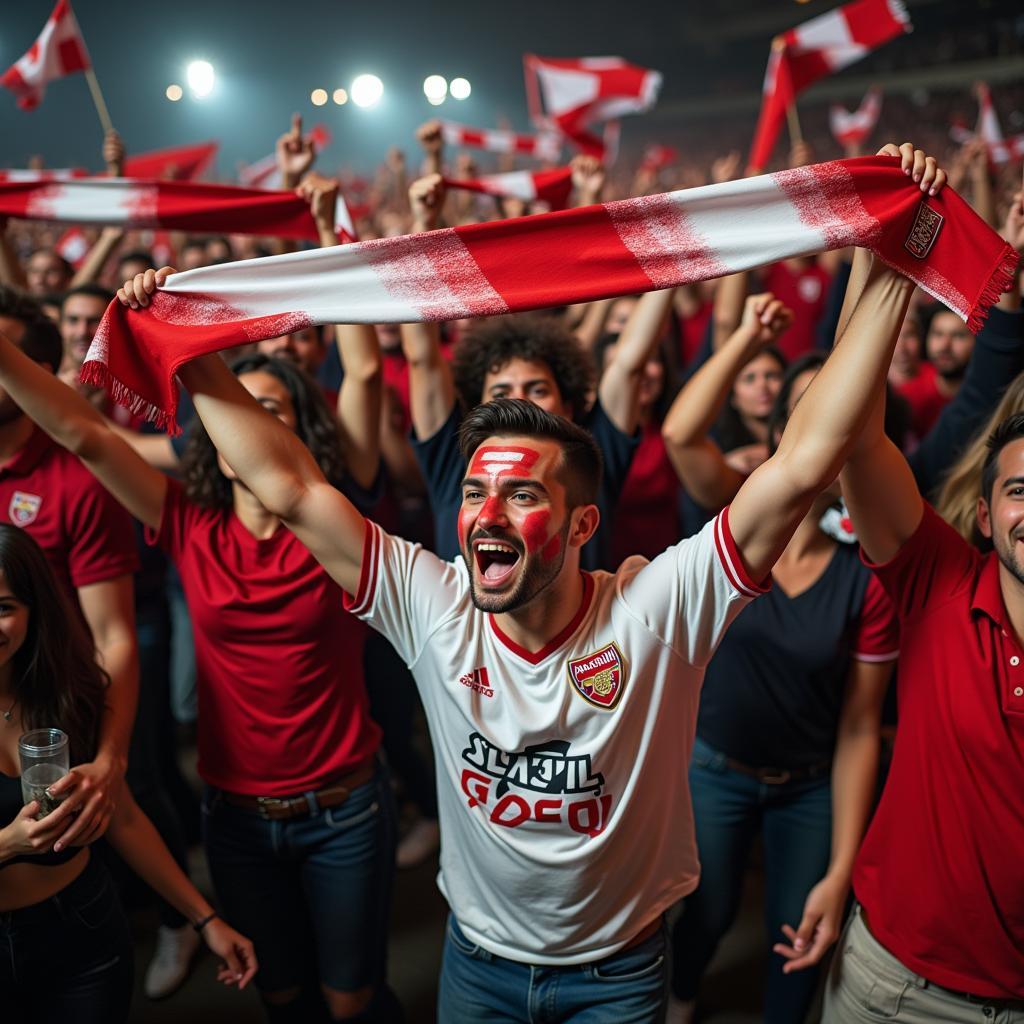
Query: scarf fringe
(1000, 280)
(98, 375)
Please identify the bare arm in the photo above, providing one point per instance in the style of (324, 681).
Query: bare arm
(587, 321)
(698, 461)
(96, 259)
(432, 141)
(620, 383)
(156, 449)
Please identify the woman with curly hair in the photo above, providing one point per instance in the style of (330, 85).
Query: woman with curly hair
(67, 951)
(298, 818)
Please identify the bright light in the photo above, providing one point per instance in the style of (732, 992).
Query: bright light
(340, 96)
(366, 91)
(460, 88)
(318, 97)
(435, 88)
(435, 101)
(173, 93)
(200, 77)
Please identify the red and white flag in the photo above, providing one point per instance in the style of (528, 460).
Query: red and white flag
(815, 49)
(851, 128)
(264, 173)
(46, 174)
(178, 163)
(73, 246)
(1000, 150)
(570, 94)
(554, 259)
(552, 187)
(543, 146)
(59, 51)
(657, 157)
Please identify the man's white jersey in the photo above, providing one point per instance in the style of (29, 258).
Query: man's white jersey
(566, 823)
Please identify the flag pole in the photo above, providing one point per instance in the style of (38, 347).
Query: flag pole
(796, 136)
(97, 98)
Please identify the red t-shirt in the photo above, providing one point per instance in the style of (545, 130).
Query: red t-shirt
(806, 293)
(279, 662)
(86, 535)
(940, 871)
(647, 512)
(924, 398)
(692, 330)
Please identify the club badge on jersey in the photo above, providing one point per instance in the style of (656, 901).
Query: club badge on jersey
(599, 677)
(23, 508)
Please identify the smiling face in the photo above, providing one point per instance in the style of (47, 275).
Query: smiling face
(13, 626)
(514, 523)
(1002, 518)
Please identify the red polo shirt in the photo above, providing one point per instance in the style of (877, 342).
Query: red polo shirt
(941, 871)
(86, 535)
(279, 662)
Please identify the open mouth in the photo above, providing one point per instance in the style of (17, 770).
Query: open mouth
(496, 561)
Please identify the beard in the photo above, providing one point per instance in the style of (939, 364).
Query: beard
(535, 575)
(1008, 557)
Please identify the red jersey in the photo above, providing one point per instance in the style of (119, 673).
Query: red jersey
(279, 662)
(939, 871)
(806, 293)
(692, 330)
(924, 398)
(86, 535)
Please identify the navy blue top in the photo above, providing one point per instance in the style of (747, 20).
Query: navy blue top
(444, 468)
(774, 688)
(11, 803)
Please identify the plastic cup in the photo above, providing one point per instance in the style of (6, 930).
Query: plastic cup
(44, 760)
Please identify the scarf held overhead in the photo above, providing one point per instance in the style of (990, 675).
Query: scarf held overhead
(554, 259)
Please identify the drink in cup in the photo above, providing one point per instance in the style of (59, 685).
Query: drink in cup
(44, 760)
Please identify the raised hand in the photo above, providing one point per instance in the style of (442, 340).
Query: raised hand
(915, 163)
(430, 138)
(765, 318)
(724, 168)
(426, 197)
(295, 154)
(322, 195)
(113, 154)
(588, 178)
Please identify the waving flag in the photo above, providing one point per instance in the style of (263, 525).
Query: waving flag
(1000, 149)
(852, 128)
(553, 259)
(570, 95)
(179, 163)
(552, 187)
(543, 146)
(59, 51)
(815, 49)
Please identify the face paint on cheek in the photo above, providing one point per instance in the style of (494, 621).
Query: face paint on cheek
(551, 549)
(535, 532)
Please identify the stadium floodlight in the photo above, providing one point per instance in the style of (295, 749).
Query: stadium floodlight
(340, 96)
(318, 97)
(435, 88)
(173, 92)
(366, 90)
(460, 88)
(200, 77)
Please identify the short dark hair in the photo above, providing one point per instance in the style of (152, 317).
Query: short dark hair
(41, 341)
(1011, 429)
(94, 291)
(69, 270)
(136, 256)
(538, 339)
(581, 467)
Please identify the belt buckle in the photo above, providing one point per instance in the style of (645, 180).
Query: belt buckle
(776, 778)
(264, 804)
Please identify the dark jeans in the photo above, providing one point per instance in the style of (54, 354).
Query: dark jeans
(69, 958)
(478, 986)
(795, 821)
(314, 893)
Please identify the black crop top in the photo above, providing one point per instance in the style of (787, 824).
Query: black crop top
(10, 804)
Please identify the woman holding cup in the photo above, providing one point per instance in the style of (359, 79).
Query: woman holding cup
(65, 952)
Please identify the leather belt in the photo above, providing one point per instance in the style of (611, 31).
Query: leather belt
(283, 808)
(778, 776)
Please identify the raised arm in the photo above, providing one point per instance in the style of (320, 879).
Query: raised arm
(619, 390)
(110, 237)
(431, 389)
(698, 461)
(824, 427)
(432, 141)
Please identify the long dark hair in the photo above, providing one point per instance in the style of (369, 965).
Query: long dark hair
(315, 425)
(730, 431)
(55, 677)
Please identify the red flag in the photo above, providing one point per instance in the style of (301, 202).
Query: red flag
(74, 246)
(59, 51)
(814, 50)
(571, 94)
(552, 187)
(179, 163)
(657, 156)
(850, 129)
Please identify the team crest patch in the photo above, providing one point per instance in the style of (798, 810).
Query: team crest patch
(600, 677)
(23, 508)
(924, 232)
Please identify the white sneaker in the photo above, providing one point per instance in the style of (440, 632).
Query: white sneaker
(420, 842)
(175, 950)
(679, 1012)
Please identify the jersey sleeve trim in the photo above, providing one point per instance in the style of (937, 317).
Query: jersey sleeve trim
(876, 658)
(732, 562)
(360, 604)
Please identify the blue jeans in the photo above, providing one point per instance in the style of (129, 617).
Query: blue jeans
(314, 893)
(478, 987)
(68, 958)
(795, 821)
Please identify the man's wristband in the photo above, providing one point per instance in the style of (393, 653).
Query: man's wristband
(201, 924)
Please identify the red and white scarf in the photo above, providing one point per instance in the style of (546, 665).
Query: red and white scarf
(550, 259)
(172, 205)
(552, 187)
(544, 146)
